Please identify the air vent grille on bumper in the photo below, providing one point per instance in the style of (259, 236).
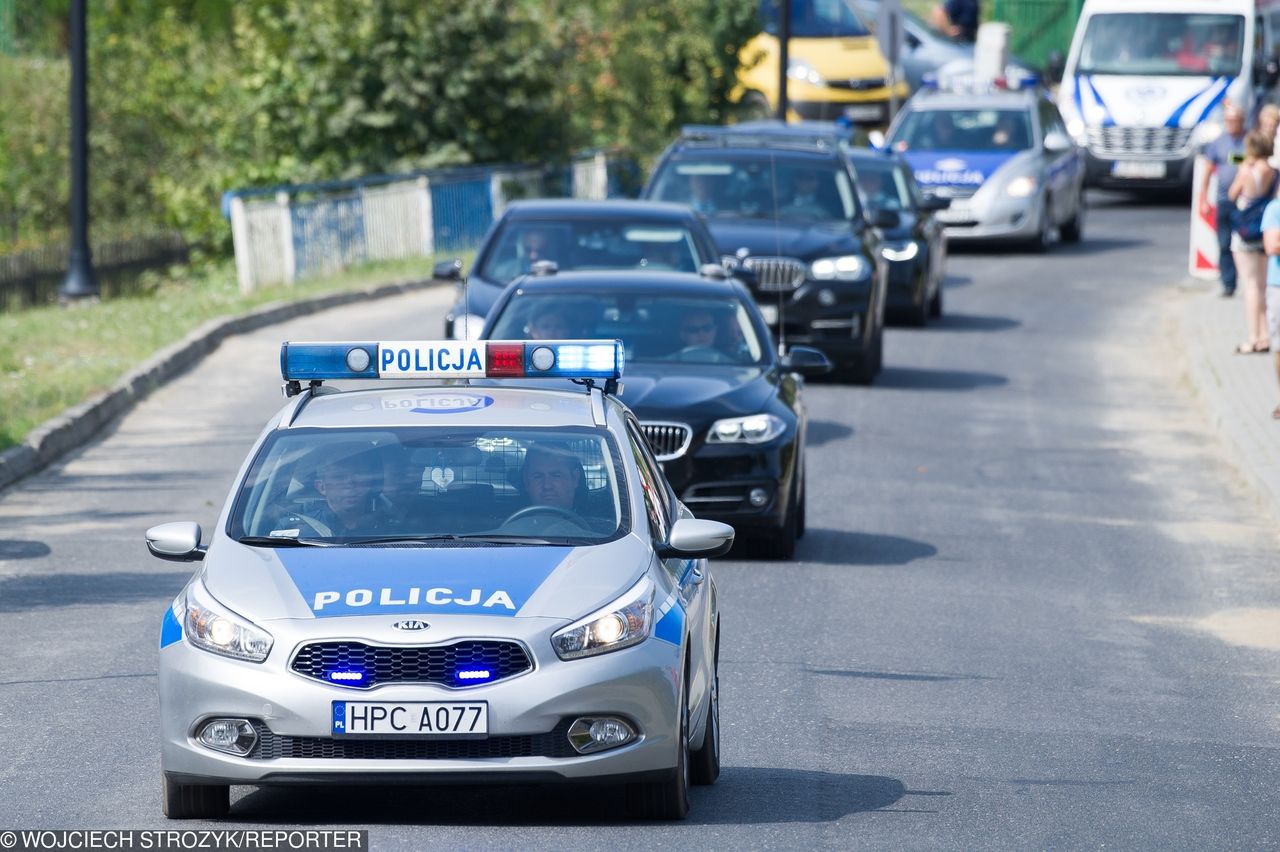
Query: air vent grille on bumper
(667, 440)
(423, 664)
(273, 746)
(1129, 141)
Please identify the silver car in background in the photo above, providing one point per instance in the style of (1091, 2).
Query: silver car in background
(1004, 159)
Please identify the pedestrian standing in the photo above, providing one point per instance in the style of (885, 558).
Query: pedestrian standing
(1225, 153)
(1271, 243)
(1269, 121)
(957, 18)
(1253, 188)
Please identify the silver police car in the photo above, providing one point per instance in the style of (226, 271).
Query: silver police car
(434, 583)
(1003, 157)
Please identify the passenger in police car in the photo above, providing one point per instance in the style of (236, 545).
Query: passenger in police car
(350, 481)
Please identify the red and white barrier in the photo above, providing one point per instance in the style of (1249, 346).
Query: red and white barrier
(1202, 258)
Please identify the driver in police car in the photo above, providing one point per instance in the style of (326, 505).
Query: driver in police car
(350, 483)
(551, 476)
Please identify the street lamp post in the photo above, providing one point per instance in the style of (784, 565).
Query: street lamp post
(784, 55)
(80, 282)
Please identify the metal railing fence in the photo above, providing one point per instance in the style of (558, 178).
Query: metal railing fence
(32, 278)
(1038, 27)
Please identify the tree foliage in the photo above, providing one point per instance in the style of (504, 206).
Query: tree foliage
(189, 98)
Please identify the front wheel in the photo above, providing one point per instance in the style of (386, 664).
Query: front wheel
(667, 799)
(1041, 241)
(935, 304)
(193, 801)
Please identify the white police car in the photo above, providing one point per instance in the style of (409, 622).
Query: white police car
(1003, 157)
(422, 584)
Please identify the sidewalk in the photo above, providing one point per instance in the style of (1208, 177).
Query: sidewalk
(1238, 391)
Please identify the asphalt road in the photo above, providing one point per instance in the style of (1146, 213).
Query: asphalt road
(1026, 614)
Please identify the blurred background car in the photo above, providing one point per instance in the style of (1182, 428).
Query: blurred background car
(722, 411)
(782, 204)
(835, 68)
(1002, 156)
(571, 234)
(917, 248)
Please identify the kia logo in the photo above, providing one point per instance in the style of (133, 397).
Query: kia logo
(411, 624)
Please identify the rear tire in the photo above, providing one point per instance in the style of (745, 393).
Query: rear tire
(704, 764)
(1073, 230)
(800, 510)
(935, 304)
(668, 799)
(196, 801)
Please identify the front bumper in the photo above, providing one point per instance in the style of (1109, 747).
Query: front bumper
(860, 106)
(1178, 171)
(992, 217)
(528, 714)
(837, 317)
(715, 481)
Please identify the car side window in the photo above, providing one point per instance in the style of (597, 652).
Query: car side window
(656, 500)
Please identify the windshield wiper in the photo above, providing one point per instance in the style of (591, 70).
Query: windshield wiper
(282, 541)
(413, 539)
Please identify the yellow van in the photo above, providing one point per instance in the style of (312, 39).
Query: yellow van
(835, 69)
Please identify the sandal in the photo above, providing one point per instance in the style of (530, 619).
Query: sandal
(1252, 348)
(1275, 413)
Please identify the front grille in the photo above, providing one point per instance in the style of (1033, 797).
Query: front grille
(777, 273)
(273, 746)
(421, 664)
(864, 85)
(667, 440)
(1138, 141)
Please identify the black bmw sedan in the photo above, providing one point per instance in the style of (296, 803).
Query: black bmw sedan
(597, 235)
(916, 248)
(782, 205)
(722, 411)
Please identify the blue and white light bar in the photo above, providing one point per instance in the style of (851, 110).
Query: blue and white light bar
(452, 359)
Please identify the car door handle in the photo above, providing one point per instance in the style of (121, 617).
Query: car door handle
(697, 575)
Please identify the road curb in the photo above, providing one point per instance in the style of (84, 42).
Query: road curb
(73, 428)
(1236, 393)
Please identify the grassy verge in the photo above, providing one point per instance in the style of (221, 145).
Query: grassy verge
(52, 358)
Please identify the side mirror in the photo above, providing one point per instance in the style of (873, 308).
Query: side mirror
(934, 203)
(447, 270)
(1266, 72)
(1055, 141)
(806, 361)
(176, 542)
(876, 138)
(693, 538)
(1054, 67)
(885, 220)
(911, 40)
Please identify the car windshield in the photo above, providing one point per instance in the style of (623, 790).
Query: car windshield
(964, 130)
(432, 485)
(1162, 43)
(589, 244)
(653, 328)
(758, 188)
(814, 19)
(883, 185)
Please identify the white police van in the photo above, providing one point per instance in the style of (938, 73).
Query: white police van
(443, 584)
(1145, 82)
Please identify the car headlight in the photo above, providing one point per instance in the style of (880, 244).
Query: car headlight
(850, 267)
(803, 72)
(211, 626)
(1021, 187)
(906, 252)
(1076, 130)
(1206, 132)
(625, 622)
(468, 327)
(753, 429)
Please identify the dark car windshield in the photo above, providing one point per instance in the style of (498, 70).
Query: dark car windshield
(884, 185)
(815, 19)
(431, 484)
(653, 328)
(964, 130)
(757, 188)
(1162, 43)
(589, 244)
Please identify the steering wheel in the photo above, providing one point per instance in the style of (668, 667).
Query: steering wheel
(543, 509)
(705, 354)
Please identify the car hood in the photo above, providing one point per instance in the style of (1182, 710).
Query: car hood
(694, 393)
(805, 241)
(267, 584)
(1145, 101)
